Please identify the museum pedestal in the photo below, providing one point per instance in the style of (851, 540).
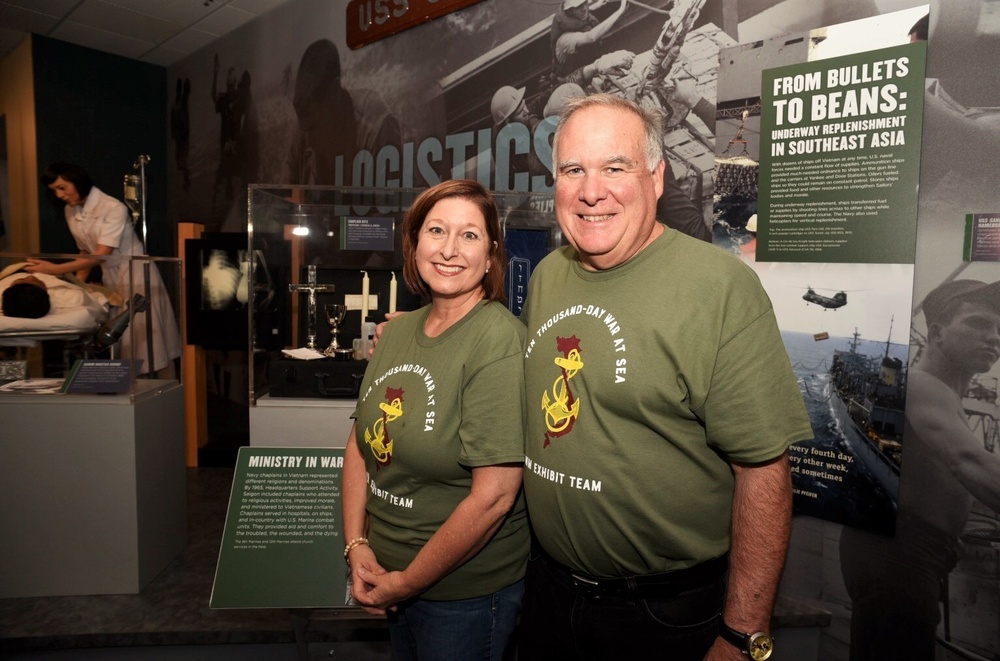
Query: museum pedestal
(301, 422)
(94, 490)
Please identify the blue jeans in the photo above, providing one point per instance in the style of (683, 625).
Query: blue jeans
(476, 629)
(560, 622)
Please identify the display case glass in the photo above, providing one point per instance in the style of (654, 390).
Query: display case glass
(98, 335)
(321, 260)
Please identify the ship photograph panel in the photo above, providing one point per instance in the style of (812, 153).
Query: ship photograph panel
(851, 363)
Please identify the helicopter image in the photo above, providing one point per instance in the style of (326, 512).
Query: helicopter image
(838, 300)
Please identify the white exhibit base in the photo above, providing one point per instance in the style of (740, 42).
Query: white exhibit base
(288, 422)
(95, 490)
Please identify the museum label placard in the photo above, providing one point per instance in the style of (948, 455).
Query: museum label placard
(282, 545)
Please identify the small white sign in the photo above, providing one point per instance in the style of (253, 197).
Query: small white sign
(353, 301)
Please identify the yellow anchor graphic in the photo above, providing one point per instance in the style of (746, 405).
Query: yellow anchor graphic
(559, 415)
(375, 438)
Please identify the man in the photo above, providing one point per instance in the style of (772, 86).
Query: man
(513, 150)
(920, 29)
(576, 33)
(335, 123)
(660, 406)
(327, 128)
(28, 298)
(675, 206)
(895, 584)
(225, 107)
(34, 295)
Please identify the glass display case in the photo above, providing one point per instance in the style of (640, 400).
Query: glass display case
(95, 338)
(325, 264)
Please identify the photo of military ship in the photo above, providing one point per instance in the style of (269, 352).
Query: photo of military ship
(868, 396)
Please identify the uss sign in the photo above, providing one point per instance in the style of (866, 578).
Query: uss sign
(369, 21)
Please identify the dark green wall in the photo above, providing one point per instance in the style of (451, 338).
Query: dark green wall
(100, 111)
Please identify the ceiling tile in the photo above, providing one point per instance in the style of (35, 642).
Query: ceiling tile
(26, 20)
(51, 7)
(157, 31)
(163, 56)
(102, 40)
(182, 12)
(224, 21)
(111, 18)
(258, 6)
(189, 41)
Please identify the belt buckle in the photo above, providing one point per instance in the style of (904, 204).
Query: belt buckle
(585, 585)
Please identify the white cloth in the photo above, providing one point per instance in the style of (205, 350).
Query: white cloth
(73, 308)
(103, 220)
(62, 295)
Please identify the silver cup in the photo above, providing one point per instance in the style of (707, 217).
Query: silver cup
(334, 315)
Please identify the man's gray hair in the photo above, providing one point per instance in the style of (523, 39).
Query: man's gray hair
(652, 122)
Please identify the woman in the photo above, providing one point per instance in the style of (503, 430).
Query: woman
(433, 511)
(100, 226)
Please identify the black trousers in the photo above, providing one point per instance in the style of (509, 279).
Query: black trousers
(572, 616)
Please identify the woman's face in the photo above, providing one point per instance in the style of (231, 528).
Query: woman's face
(453, 249)
(66, 192)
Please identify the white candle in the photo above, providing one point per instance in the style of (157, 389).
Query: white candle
(364, 298)
(392, 293)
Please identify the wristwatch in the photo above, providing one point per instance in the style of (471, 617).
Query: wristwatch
(758, 645)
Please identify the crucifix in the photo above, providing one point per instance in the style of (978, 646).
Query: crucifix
(311, 288)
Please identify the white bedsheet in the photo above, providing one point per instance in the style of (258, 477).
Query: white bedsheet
(74, 312)
(63, 323)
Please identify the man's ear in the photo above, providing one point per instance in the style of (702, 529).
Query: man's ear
(934, 330)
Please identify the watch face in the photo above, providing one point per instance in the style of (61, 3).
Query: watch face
(760, 646)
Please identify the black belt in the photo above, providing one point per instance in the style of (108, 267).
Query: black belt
(648, 586)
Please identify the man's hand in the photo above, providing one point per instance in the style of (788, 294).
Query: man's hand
(378, 329)
(686, 92)
(617, 62)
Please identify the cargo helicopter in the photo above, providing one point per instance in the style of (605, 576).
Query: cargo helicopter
(838, 300)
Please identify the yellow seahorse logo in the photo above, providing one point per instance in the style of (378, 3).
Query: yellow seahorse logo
(561, 407)
(377, 437)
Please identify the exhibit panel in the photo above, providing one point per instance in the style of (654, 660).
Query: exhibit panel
(322, 267)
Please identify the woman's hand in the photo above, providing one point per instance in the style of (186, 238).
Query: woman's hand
(364, 564)
(385, 590)
(41, 266)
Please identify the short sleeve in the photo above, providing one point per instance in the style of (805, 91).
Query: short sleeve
(755, 409)
(492, 427)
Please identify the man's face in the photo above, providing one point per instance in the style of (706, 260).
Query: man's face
(520, 114)
(605, 193)
(581, 11)
(971, 340)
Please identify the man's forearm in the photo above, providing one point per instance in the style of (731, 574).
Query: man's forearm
(762, 513)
